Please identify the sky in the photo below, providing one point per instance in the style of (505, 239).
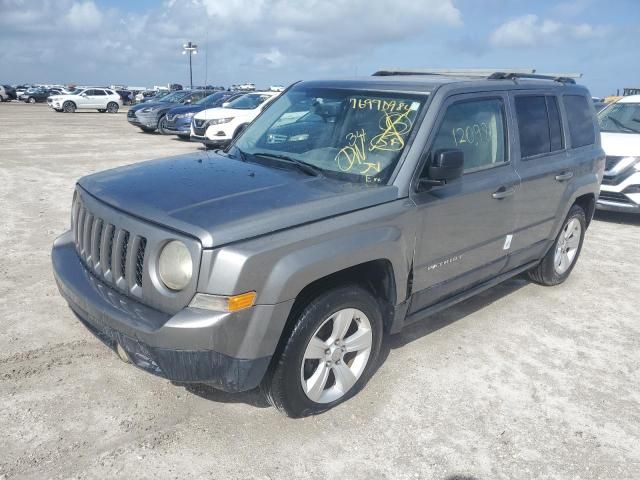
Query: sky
(270, 42)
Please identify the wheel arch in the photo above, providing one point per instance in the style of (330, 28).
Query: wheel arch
(588, 203)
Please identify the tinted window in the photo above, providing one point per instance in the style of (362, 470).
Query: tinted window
(533, 125)
(580, 120)
(99, 92)
(555, 124)
(476, 128)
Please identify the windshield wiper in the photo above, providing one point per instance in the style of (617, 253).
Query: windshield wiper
(622, 125)
(303, 166)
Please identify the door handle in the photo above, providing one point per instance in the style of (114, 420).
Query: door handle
(503, 193)
(564, 176)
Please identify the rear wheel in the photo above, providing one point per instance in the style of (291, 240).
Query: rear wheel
(112, 107)
(69, 107)
(329, 355)
(559, 261)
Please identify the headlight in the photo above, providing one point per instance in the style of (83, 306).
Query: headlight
(185, 115)
(218, 121)
(147, 110)
(175, 266)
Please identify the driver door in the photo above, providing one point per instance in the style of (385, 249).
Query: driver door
(86, 99)
(466, 225)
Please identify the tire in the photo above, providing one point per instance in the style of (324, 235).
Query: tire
(31, 100)
(69, 107)
(184, 137)
(161, 124)
(313, 334)
(101, 110)
(112, 107)
(557, 264)
(58, 110)
(147, 129)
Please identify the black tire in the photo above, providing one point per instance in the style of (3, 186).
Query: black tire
(210, 147)
(101, 110)
(546, 272)
(112, 107)
(31, 100)
(58, 110)
(147, 129)
(184, 137)
(69, 107)
(161, 125)
(282, 384)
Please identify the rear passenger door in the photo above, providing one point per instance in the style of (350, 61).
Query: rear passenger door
(465, 226)
(545, 169)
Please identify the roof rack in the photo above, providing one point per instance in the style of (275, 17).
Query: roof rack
(490, 74)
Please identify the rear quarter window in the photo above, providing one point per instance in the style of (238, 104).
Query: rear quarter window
(580, 119)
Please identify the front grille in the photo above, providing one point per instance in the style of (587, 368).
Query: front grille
(198, 123)
(113, 254)
(615, 197)
(131, 114)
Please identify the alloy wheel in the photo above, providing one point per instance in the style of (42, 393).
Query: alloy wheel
(567, 246)
(336, 355)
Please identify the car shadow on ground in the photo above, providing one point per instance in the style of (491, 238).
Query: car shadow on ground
(617, 217)
(254, 397)
(446, 317)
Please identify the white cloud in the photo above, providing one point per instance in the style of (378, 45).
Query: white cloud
(84, 16)
(531, 31)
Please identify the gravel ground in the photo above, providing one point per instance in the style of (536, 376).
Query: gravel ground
(519, 382)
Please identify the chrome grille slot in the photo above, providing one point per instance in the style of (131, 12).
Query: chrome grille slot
(113, 254)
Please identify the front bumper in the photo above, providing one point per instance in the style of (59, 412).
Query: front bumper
(147, 120)
(191, 346)
(180, 126)
(620, 193)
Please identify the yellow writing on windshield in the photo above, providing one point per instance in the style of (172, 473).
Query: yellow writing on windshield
(379, 105)
(393, 127)
(354, 154)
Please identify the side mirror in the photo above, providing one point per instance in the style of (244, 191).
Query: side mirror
(445, 165)
(83, 94)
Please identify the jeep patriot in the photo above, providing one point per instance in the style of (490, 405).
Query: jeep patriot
(347, 210)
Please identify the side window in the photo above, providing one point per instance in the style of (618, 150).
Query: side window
(533, 125)
(555, 124)
(89, 92)
(580, 119)
(99, 92)
(476, 127)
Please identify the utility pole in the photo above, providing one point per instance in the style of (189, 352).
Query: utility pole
(190, 49)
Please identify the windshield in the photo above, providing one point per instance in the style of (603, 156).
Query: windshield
(211, 99)
(170, 97)
(353, 135)
(249, 101)
(620, 118)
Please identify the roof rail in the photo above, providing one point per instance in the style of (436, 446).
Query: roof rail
(491, 74)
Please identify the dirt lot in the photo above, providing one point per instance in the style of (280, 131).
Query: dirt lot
(520, 382)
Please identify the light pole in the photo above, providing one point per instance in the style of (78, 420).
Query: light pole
(190, 49)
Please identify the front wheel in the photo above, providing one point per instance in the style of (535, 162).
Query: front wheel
(31, 100)
(162, 125)
(557, 264)
(69, 107)
(329, 355)
(112, 107)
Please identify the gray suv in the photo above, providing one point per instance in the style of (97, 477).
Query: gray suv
(347, 210)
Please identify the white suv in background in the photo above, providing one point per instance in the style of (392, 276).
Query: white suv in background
(216, 127)
(620, 132)
(101, 99)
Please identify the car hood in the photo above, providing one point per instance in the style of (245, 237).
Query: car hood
(159, 105)
(220, 200)
(221, 112)
(621, 144)
(185, 109)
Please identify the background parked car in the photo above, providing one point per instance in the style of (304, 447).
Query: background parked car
(4, 95)
(151, 95)
(216, 127)
(101, 99)
(178, 120)
(9, 93)
(151, 116)
(38, 95)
